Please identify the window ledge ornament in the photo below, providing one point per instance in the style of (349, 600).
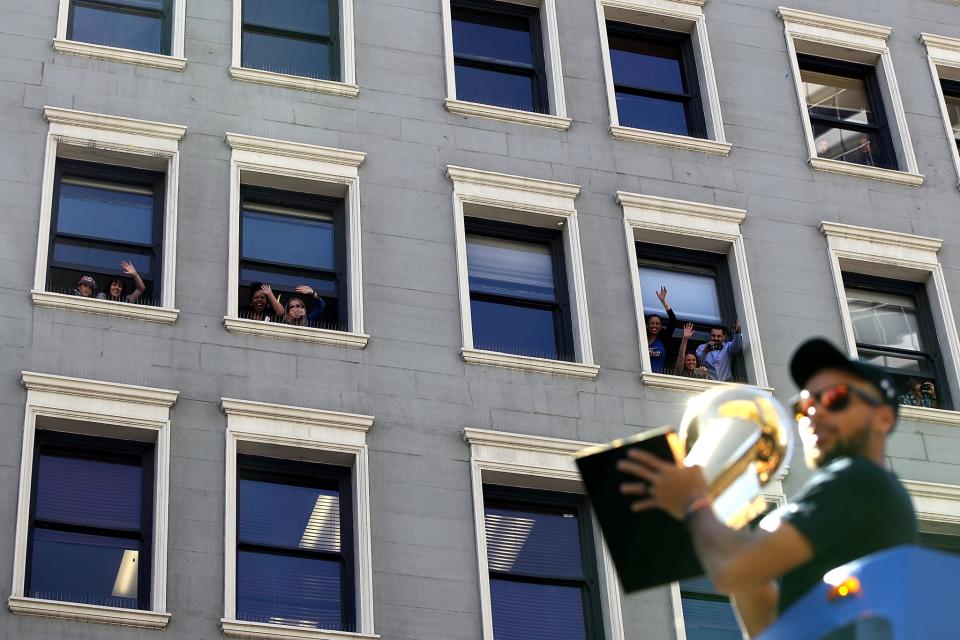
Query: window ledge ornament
(281, 331)
(117, 54)
(528, 363)
(162, 315)
(930, 415)
(303, 83)
(689, 143)
(464, 108)
(243, 629)
(862, 171)
(683, 383)
(118, 124)
(88, 612)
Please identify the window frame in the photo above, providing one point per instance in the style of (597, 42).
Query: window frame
(172, 30)
(106, 410)
(332, 40)
(346, 84)
(943, 58)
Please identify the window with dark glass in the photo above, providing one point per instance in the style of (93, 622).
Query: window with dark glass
(518, 291)
(289, 239)
(699, 290)
(498, 55)
(655, 80)
(543, 577)
(707, 615)
(845, 108)
(142, 25)
(104, 216)
(90, 521)
(294, 544)
(294, 37)
(893, 327)
(951, 96)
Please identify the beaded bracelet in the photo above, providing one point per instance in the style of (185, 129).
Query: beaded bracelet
(700, 503)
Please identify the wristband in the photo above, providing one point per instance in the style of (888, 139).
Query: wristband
(698, 504)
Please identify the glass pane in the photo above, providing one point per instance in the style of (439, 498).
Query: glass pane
(654, 114)
(848, 146)
(76, 567)
(533, 544)
(692, 296)
(645, 65)
(102, 212)
(884, 320)
(517, 330)
(510, 268)
(506, 40)
(915, 388)
(284, 284)
(280, 515)
(953, 110)
(524, 611)
(289, 590)
(508, 90)
(836, 97)
(710, 620)
(113, 28)
(88, 492)
(99, 259)
(892, 361)
(294, 241)
(291, 56)
(303, 16)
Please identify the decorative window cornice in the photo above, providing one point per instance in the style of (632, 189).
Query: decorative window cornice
(112, 391)
(522, 442)
(796, 20)
(934, 502)
(297, 415)
(518, 183)
(71, 117)
(837, 233)
(941, 46)
(298, 150)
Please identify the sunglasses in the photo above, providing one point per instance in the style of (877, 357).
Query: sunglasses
(833, 399)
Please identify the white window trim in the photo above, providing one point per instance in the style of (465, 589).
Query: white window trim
(692, 225)
(175, 61)
(557, 118)
(98, 404)
(905, 257)
(934, 501)
(71, 128)
(346, 87)
(486, 194)
(679, 15)
(307, 162)
(515, 460)
(299, 428)
(839, 38)
(943, 57)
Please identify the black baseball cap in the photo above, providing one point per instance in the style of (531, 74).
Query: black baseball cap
(817, 354)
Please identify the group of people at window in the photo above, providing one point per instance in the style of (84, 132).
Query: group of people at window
(88, 287)
(711, 360)
(266, 306)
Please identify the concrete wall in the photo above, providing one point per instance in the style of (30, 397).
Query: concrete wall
(411, 376)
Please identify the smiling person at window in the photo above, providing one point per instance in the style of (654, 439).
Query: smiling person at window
(260, 298)
(115, 290)
(717, 356)
(295, 312)
(86, 287)
(687, 363)
(656, 333)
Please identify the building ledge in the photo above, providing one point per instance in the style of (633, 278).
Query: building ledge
(163, 315)
(88, 612)
(527, 363)
(683, 383)
(242, 629)
(129, 56)
(302, 83)
(872, 173)
(671, 140)
(927, 414)
(290, 332)
(464, 108)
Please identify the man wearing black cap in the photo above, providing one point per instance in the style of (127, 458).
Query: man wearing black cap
(850, 507)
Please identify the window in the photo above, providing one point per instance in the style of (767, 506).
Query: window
(707, 615)
(943, 58)
(289, 240)
(846, 112)
(520, 273)
(951, 98)
(853, 116)
(294, 557)
(91, 535)
(543, 582)
(894, 330)
(106, 217)
(518, 290)
(91, 520)
(297, 525)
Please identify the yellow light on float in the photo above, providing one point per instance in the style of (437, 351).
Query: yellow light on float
(849, 586)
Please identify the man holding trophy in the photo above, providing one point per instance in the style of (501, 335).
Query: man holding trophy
(850, 507)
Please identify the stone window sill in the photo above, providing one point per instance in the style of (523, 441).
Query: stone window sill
(129, 56)
(671, 140)
(163, 315)
(242, 629)
(88, 612)
(302, 83)
(862, 171)
(464, 108)
(281, 331)
(527, 363)
(682, 383)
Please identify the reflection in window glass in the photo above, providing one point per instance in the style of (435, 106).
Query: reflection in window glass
(836, 97)
(505, 40)
(500, 89)
(508, 267)
(287, 55)
(292, 37)
(646, 65)
(141, 26)
(883, 319)
(307, 16)
(693, 296)
(288, 239)
(951, 97)
(110, 211)
(643, 112)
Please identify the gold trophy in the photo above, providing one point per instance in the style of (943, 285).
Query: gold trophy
(741, 436)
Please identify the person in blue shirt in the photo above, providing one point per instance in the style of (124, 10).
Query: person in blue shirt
(717, 356)
(657, 335)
